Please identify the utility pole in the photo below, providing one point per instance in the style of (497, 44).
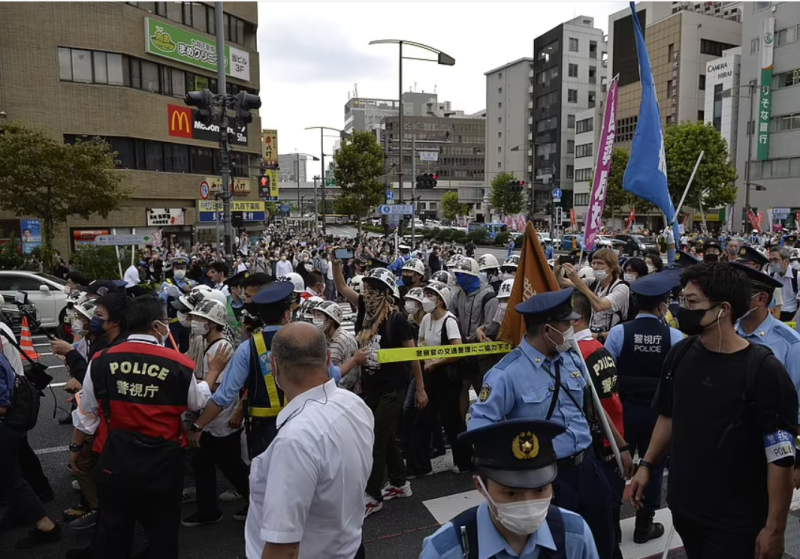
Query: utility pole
(316, 207)
(224, 146)
(750, 125)
(297, 176)
(413, 189)
(322, 173)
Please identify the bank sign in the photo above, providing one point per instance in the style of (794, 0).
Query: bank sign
(167, 41)
(765, 100)
(182, 123)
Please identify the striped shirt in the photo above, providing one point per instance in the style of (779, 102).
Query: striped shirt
(343, 346)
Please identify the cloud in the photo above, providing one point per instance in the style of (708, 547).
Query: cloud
(315, 51)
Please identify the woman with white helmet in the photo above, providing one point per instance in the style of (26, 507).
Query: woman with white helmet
(343, 347)
(219, 441)
(413, 305)
(439, 327)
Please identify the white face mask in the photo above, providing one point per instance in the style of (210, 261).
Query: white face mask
(199, 328)
(600, 275)
(179, 274)
(412, 307)
(162, 338)
(183, 319)
(428, 306)
(523, 517)
(795, 264)
(77, 328)
(651, 269)
(745, 315)
(630, 278)
(318, 322)
(566, 336)
(776, 268)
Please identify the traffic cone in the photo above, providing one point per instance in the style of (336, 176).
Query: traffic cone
(25, 341)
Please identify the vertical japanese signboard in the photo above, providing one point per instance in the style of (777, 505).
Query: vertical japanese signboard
(765, 99)
(270, 138)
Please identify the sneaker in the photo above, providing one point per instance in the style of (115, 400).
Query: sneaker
(37, 537)
(229, 496)
(373, 506)
(198, 519)
(74, 512)
(393, 492)
(189, 495)
(75, 485)
(415, 476)
(241, 515)
(84, 522)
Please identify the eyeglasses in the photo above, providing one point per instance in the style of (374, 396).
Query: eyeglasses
(693, 304)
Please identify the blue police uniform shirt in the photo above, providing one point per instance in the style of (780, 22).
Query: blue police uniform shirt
(238, 370)
(782, 340)
(616, 336)
(577, 539)
(180, 283)
(519, 387)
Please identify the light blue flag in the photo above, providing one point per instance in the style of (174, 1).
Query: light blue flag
(646, 174)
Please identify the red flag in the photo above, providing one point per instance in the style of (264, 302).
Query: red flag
(631, 218)
(534, 275)
(573, 220)
(755, 221)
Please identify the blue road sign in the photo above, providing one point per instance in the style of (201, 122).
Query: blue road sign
(557, 194)
(390, 195)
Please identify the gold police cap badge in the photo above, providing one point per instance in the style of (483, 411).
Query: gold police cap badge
(525, 446)
(677, 256)
(743, 252)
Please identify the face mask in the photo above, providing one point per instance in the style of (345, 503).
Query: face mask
(67, 290)
(711, 258)
(566, 336)
(501, 312)
(523, 517)
(745, 315)
(373, 302)
(630, 278)
(96, 326)
(408, 279)
(689, 321)
(412, 307)
(199, 328)
(775, 268)
(469, 284)
(162, 338)
(428, 306)
(183, 319)
(77, 328)
(795, 265)
(651, 269)
(179, 274)
(318, 322)
(600, 275)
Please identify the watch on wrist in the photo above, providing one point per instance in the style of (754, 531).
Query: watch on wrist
(75, 447)
(644, 463)
(195, 428)
(625, 448)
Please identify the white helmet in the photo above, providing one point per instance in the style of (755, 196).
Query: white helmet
(76, 297)
(487, 262)
(453, 262)
(217, 295)
(297, 281)
(441, 290)
(505, 289)
(87, 308)
(212, 310)
(332, 310)
(382, 276)
(467, 266)
(304, 312)
(357, 284)
(445, 277)
(415, 294)
(511, 262)
(415, 265)
(195, 296)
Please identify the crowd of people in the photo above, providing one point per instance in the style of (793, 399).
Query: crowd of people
(272, 369)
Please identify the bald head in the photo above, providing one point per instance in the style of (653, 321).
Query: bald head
(300, 352)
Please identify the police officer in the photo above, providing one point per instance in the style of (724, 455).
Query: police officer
(133, 397)
(639, 348)
(712, 251)
(250, 368)
(516, 471)
(542, 379)
(178, 284)
(752, 258)
(235, 285)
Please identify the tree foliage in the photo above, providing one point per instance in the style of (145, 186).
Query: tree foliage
(502, 199)
(358, 168)
(100, 262)
(451, 206)
(713, 183)
(44, 178)
(616, 198)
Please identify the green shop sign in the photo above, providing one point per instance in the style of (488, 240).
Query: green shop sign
(168, 41)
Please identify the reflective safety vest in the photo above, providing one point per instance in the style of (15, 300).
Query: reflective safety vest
(266, 399)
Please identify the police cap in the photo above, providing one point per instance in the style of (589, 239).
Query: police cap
(237, 280)
(749, 254)
(713, 244)
(549, 307)
(684, 259)
(791, 239)
(277, 292)
(100, 287)
(759, 281)
(375, 263)
(655, 285)
(179, 261)
(516, 453)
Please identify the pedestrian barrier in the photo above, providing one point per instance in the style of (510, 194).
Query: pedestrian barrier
(402, 354)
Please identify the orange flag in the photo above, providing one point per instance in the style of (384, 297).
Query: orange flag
(534, 275)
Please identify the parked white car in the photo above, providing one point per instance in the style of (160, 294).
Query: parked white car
(44, 291)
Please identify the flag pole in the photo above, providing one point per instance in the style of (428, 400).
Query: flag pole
(686, 190)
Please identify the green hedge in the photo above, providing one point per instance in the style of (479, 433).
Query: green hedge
(459, 236)
(479, 236)
(518, 240)
(502, 238)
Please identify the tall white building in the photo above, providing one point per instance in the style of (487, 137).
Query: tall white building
(722, 101)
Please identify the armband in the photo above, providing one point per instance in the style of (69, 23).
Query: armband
(778, 445)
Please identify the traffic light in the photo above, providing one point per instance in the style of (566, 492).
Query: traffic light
(245, 102)
(516, 186)
(427, 180)
(263, 186)
(204, 101)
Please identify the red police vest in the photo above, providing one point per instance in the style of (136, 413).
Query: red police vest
(148, 388)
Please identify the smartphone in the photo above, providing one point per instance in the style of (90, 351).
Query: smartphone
(21, 298)
(343, 254)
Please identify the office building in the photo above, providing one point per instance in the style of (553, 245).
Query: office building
(509, 90)
(588, 125)
(292, 167)
(568, 78)
(722, 100)
(120, 70)
(770, 37)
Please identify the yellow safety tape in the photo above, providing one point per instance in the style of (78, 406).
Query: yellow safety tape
(440, 352)
(792, 325)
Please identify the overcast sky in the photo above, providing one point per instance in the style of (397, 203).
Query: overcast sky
(314, 53)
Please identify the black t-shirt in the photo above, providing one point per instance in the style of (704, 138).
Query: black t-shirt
(389, 377)
(722, 486)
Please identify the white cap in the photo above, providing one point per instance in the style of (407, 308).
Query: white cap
(212, 310)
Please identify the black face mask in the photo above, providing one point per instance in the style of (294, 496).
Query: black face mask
(408, 279)
(711, 258)
(689, 321)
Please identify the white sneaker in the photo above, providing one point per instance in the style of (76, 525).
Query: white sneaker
(229, 496)
(75, 485)
(189, 495)
(373, 506)
(393, 492)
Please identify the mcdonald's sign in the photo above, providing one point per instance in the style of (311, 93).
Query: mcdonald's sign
(180, 121)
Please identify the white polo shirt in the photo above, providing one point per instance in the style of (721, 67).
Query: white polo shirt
(308, 486)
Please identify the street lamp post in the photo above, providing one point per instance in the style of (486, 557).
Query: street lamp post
(297, 175)
(441, 58)
(342, 135)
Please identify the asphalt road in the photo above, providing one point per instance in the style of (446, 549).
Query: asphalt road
(396, 532)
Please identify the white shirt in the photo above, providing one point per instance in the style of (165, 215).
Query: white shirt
(430, 331)
(283, 268)
(10, 351)
(131, 277)
(308, 486)
(219, 425)
(789, 296)
(84, 417)
(223, 288)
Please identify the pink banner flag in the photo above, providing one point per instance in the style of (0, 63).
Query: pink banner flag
(597, 199)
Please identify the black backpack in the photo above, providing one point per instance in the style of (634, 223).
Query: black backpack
(24, 410)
